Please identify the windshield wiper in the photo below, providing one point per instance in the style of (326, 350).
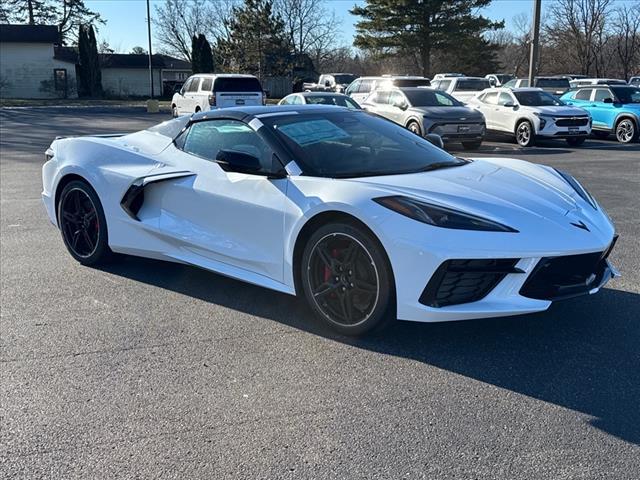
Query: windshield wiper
(441, 165)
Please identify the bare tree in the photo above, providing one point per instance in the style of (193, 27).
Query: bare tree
(626, 31)
(579, 25)
(177, 21)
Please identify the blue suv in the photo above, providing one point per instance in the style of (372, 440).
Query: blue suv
(614, 109)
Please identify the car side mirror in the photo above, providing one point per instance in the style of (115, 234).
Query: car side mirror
(401, 105)
(509, 105)
(234, 161)
(435, 139)
(608, 100)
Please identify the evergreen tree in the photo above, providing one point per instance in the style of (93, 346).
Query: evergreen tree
(89, 74)
(195, 54)
(206, 55)
(422, 27)
(257, 42)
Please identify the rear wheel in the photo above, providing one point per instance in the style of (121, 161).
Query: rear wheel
(575, 141)
(346, 279)
(472, 145)
(415, 128)
(82, 224)
(626, 131)
(524, 134)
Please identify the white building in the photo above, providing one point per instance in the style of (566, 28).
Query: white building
(34, 65)
(28, 67)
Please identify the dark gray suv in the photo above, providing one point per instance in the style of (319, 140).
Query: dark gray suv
(424, 110)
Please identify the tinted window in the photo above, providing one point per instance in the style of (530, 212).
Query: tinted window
(365, 86)
(471, 85)
(584, 94)
(344, 144)
(504, 98)
(430, 98)
(205, 139)
(601, 94)
(503, 78)
(171, 128)
(627, 94)
(344, 79)
(207, 83)
(193, 85)
(558, 83)
(337, 100)
(411, 82)
(511, 83)
(237, 84)
(537, 98)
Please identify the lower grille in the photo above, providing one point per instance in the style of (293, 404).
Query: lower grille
(464, 281)
(557, 278)
(572, 122)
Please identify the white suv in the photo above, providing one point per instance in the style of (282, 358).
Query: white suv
(362, 87)
(461, 88)
(528, 113)
(207, 91)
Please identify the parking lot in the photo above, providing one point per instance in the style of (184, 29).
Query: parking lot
(145, 369)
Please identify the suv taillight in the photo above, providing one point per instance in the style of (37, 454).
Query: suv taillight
(212, 100)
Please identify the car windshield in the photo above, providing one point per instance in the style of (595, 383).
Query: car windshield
(472, 84)
(355, 144)
(553, 83)
(503, 78)
(338, 100)
(430, 98)
(411, 82)
(535, 98)
(171, 128)
(344, 79)
(627, 94)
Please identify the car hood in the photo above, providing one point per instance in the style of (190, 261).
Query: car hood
(564, 111)
(520, 194)
(449, 113)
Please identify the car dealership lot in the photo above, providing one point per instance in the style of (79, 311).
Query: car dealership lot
(152, 369)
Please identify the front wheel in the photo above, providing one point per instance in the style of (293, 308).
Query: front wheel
(626, 131)
(82, 224)
(415, 128)
(346, 279)
(575, 141)
(524, 134)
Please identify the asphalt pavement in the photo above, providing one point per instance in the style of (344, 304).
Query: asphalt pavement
(145, 369)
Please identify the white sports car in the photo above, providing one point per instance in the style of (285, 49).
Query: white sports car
(365, 219)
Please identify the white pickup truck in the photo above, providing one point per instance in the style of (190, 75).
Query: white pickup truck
(330, 82)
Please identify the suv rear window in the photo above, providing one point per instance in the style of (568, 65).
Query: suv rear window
(472, 85)
(237, 84)
(553, 83)
(411, 82)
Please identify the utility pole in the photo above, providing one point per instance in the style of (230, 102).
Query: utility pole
(150, 54)
(535, 41)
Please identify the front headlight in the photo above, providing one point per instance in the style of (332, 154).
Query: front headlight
(543, 119)
(439, 216)
(579, 189)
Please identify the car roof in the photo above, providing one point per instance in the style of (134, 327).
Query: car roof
(242, 113)
(319, 94)
(225, 75)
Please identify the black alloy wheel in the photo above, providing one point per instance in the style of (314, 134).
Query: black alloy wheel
(346, 279)
(82, 223)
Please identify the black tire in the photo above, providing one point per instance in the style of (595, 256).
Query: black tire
(575, 141)
(197, 109)
(472, 145)
(414, 127)
(600, 134)
(525, 135)
(626, 130)
(174, 111)
(82, 224)
(347, 280)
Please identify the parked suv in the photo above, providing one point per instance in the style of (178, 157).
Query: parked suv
(461, 88)
(498, 79)
(204, 92)
(361, 88)
(425, 111)
(614, 109)
(583, 82)
(530, 113)
(553, 85)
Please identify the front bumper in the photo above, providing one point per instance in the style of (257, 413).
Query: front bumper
(457, 131)
(566, 129)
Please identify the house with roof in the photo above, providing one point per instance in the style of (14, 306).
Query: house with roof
(33, 64)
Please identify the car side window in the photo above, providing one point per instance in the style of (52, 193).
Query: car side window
(193, 85)
(443, 100)
(296, 100)
(444, 84)
(601, 94)
(504, 99)
(353, 88)
(365, 86)
(207, 85)
(396, 98)
(185, 87)
(205, 139)
(583, 94)
(381, 97)
(491, 98)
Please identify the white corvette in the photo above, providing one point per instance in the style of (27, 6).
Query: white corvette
(365, 219)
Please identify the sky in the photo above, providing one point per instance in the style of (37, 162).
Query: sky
(126, 19)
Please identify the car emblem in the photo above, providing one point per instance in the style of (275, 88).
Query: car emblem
(463, 118)
(581, 224)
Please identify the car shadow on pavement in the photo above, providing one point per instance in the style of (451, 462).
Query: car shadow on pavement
(581, 354)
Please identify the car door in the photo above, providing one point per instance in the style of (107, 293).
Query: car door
(603, 113)
(235, 219)
(182, 101)
(505, 115)
(488, 104)
(395, 110)
(191, 96)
